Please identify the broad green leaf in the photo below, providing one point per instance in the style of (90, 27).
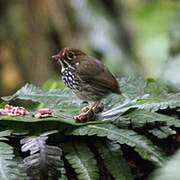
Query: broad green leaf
(61, 119)
(29, 124)
(115, 113)
(81, 159)
(124, 136)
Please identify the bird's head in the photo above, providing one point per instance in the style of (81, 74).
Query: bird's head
(69, 57)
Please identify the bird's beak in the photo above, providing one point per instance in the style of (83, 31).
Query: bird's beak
(56, 57)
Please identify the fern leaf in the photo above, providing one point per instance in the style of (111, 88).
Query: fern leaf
(141, 117)
(133, 87)
(159, 124)
(4, 133)
(44, 160)
(6, 156)
(9, 169)
(162, 132)
(154, 104)
(82, 160)
(143, 103)
(143, 94)
(37, 94)
(141, 144)
(114, 160)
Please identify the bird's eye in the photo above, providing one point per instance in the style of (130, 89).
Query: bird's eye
(70, 55)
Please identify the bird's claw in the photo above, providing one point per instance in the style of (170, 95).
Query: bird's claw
(85, 109)
(99, 108)
(88, 113)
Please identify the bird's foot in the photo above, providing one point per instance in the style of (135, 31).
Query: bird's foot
(99, 108)
(85, 109)
(89, 113)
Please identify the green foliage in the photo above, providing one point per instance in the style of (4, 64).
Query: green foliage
(145, 114)
(9, 169)
(114, 160)
(81, 159)
(44, 160)
(58, 98)
(36, 94)
(140, 117)
(4, 133)
(123, 136)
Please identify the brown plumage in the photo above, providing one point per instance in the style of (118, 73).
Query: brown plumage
(88, 78)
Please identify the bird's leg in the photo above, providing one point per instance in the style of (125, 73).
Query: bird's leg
(95, 105)
(86, 108)
(88, 113)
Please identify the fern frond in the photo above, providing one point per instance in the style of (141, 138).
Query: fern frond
(9, 169)
(44, 160)
(154, 104)
(141, 117)
(149, 95)
(133, 87)
(82, 160)
(4, 133)
(114, 160)
(162, 132)
(37, 94)
(123, 136)
(141, 103)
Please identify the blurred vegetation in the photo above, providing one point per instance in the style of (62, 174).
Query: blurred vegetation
(131, 37)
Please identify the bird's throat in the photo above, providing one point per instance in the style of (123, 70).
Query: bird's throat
(63, 65)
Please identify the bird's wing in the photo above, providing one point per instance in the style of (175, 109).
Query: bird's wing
(98, 75)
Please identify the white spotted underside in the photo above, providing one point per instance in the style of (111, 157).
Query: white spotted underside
(81, 88)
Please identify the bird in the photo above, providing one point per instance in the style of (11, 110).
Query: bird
(88, 78)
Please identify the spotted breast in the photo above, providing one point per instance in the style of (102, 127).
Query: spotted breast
(70, 79)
